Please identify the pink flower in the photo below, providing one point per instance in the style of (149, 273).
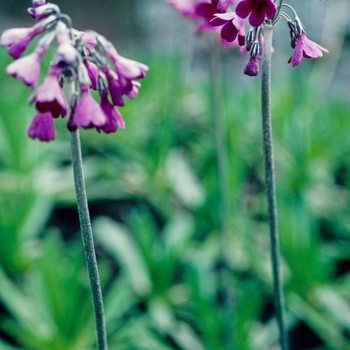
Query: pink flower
(233, 26)
(257, 10)
(49, 97)
(17, 39)
(27, 68)
(42, 127)
(87, 113)
(115, 87)
(92, 70)
(305, 48)
(114, 118)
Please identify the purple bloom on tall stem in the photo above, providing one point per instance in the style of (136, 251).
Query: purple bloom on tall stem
(49, 97)
(257, 10)
(306, 48)
(42, 127)
(233, 26)
(87, 113)
(27, 68)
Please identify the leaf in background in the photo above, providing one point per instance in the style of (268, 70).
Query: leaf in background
(183, 179)
(119, 242)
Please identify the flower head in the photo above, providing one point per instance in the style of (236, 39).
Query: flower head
(257, 10)
(42, 127)
(82, 59)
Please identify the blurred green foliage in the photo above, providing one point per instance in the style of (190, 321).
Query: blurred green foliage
(154, 196)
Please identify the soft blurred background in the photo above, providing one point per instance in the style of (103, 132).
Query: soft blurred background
(154, 195)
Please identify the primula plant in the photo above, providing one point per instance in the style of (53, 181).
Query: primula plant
(83, 61)
(249, 24)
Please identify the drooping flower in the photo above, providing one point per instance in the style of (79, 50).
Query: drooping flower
(257, 10)
(304, 47)
(252, 67)
(87, 113)
(114, 118)
(114, 86)
(27, 68)
(17, 39)
(42, 127)
(49, 97)
(233, 26)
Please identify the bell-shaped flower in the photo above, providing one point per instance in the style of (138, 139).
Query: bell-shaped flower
(115, 120)
(257, 10)
(93, 72)
(42, 127)
(27, 68)
(114, 86)
(17, 39)
(233, 26)
(87, 113)
(49, 96)
(306, 48)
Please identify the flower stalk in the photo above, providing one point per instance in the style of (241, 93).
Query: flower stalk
(87, 238)
(271, 186)
(85, 225)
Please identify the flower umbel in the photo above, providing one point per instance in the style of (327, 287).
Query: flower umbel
(82, 58)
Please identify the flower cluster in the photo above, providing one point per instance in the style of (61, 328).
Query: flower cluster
(83, 61)
(220, 14)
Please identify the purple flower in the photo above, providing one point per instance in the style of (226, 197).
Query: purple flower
(87, 113)
(233, 26)
(92, 70)
(114, 86)
(27, 68)
(252, 67)
(305, 48)
(17, 39)
(114, 118)
(49, 97)
(42, 127)
(257, 10)
(205, 12)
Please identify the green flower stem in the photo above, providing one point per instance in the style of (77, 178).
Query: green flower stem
(88, 242)
(85, 225)
(271, 186)
(223, 202)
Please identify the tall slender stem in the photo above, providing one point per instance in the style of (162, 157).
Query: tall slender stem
(271, 186)
(88, 242)
(223, 203)
(85, 226)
